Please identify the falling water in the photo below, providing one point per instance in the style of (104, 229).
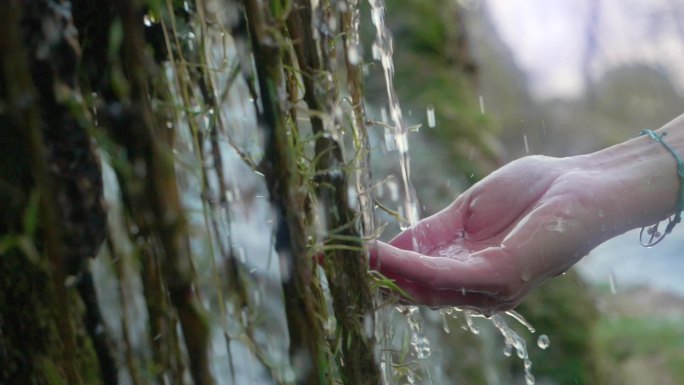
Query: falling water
(431, 115)
(382, 51)
(543, 341)
(419, 343)
(611, 281)
(514, 341)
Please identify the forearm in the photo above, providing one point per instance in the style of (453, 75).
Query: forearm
(639, 181)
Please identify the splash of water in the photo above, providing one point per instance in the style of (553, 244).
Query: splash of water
(518, 317)
(515, 342)
(382, 51)
(420, 345)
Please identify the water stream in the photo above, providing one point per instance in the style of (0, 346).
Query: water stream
(396, 128)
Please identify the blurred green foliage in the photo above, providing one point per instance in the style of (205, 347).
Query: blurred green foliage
(564, 310)
(641, 349)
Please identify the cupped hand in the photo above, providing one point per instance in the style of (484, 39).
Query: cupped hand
(524, 223)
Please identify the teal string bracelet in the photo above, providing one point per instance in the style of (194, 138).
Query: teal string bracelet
(653, 235)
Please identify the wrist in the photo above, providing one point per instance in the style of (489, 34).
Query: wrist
(638, 180)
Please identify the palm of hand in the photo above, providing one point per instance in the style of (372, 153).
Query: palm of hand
(521, 225)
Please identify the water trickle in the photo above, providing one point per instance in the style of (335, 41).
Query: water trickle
(431, 115)
(518, 317)
(611, 282)
(515, 341)
(393, 189)
(527, 146)
(445, 324)
(402, 142)
(382, 51)
(525, 275)
(470, 323)
(454, 251)
(419, 343)
(482, 107)
(543, 341)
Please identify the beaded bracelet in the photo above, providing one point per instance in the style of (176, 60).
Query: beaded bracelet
(654, 236)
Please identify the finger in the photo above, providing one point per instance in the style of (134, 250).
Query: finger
(484, 303)
(435, 230)
(434, 277)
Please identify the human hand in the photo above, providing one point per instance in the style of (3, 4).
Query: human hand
(524, 223)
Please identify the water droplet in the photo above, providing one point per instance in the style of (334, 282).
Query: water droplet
(513, 341)
(520, 352)
(518, 317)
(393, 189)
(529, 379)
(431, 115)
(559, 225)
(402, 142)
(410, 377)
(445, 324)
(508, 350)
(147, 20)
(419, 343)
(525, 275)
(611, 282)
(527, 146)
(469, 322)
(453, 251)
(543, 341)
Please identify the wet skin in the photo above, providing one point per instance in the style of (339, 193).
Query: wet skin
(529, 221)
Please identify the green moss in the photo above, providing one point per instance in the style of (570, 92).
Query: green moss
(30, 340)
